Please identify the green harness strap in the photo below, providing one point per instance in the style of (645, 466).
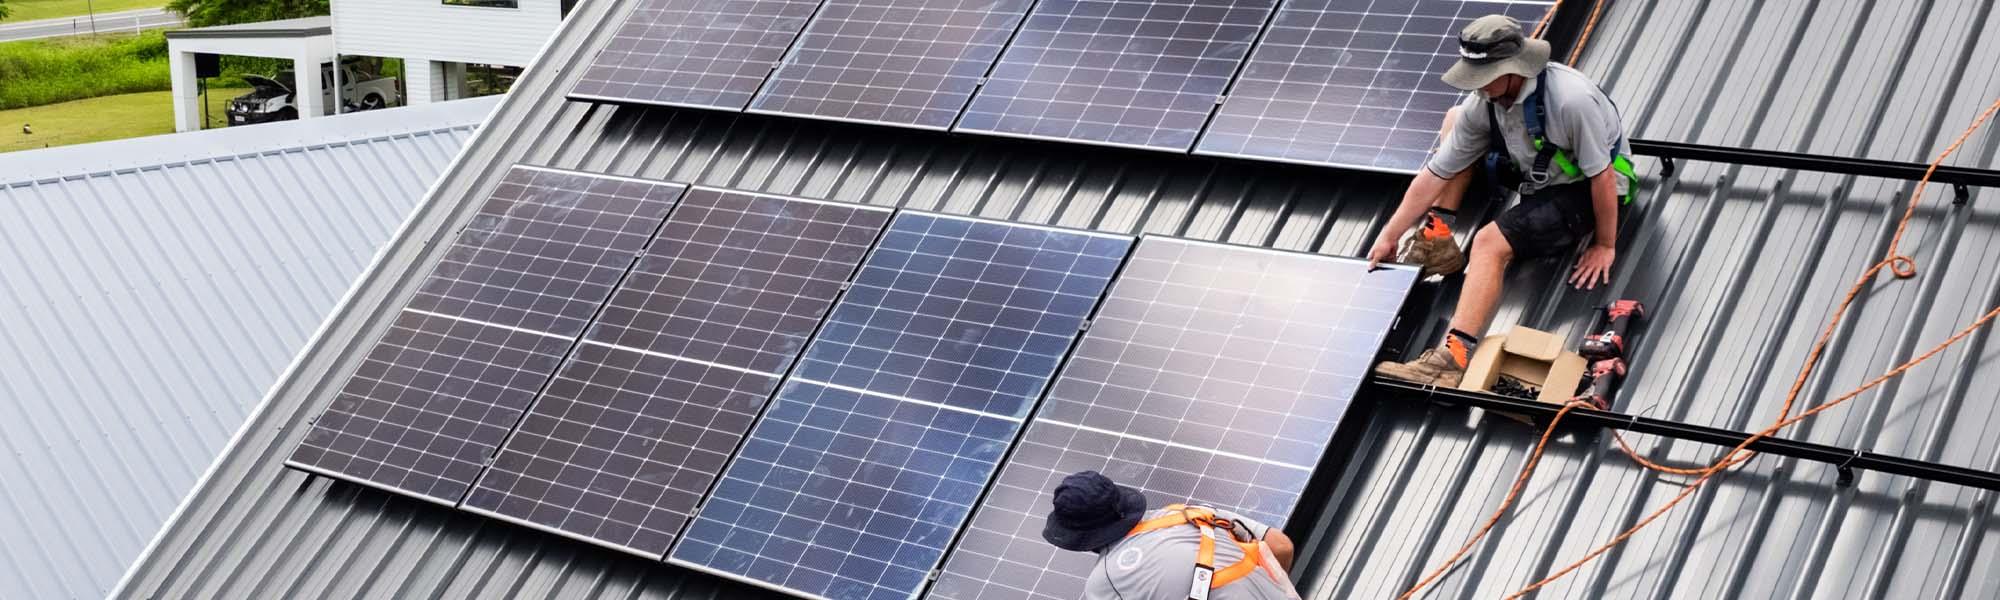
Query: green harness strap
(1619, 163)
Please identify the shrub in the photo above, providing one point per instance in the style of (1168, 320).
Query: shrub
(38, 72)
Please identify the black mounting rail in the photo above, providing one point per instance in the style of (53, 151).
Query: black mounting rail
(1959, 178)
(1846, 460)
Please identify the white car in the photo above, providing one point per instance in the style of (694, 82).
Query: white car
(270, 98)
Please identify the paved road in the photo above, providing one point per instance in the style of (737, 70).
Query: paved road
(131, 20)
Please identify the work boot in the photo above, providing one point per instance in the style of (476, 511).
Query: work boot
(1435, 367)
(1438, 255)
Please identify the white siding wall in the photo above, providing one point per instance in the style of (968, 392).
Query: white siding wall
(432, 30)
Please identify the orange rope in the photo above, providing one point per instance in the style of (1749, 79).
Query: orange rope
(1520, 483)
(1547, 15)
(1596, 10)
(1902, 266)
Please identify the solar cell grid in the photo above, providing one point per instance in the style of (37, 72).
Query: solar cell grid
(545, 249)
(1213, 374)
(1350, 83)
(740, 279)
(640, 420)
(891, 61)
(621, 447)
(1135, 73)
(877, 446)
(428, 403)
(484, 332)
(699, 53)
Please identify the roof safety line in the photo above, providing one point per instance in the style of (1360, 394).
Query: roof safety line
(1962, 179)
(1580, 420)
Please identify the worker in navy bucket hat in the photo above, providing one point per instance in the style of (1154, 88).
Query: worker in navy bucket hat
(1174, 552)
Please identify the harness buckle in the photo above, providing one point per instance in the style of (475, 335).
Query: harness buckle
(1529, 187)
(1204, 576)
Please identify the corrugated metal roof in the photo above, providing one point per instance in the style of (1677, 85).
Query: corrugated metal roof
(154, 290)
(1741, 264)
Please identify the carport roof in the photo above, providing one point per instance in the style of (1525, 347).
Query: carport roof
(288, 28)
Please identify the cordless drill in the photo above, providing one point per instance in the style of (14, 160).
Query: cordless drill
(1605, 349)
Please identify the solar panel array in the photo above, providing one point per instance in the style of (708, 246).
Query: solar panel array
(640, 420)
(593, 356)
(442, 388)
(877, 447)
(1138, 73)
(1212, 374)
(1350, 82)
(699, 53)
(891, 61)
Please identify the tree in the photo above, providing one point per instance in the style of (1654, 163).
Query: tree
(3, 9)
(209, 13)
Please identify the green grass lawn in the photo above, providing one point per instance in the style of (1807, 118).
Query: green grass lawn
(30, 10)
(99, 119)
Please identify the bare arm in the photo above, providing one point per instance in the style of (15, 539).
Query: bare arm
(1281, 547)
(1604, 203)
(1595, 267)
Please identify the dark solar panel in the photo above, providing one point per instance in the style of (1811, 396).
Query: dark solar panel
(700, 53)
(635, 427)
(740, 279)
(891, 61)
(622, 447)
(1352, 83)
(1137, 73)
(858, 477)
(1213, 374)
(484, 332)
(429, 403)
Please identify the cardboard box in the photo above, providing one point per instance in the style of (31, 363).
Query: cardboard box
(1535, 357)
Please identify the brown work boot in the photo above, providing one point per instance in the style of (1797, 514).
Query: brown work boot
(1438, 255)
(1435, 367)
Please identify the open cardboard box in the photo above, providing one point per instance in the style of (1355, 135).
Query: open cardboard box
(1534, 357)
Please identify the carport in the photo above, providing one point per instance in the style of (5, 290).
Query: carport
(307, 42)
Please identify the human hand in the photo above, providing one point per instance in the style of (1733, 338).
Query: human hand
(1594, 268)
(1384, 251)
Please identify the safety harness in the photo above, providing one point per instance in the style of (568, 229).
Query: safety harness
(1206, 576)
(1535, 113)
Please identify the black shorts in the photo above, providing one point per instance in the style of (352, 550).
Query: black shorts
(1551, 222)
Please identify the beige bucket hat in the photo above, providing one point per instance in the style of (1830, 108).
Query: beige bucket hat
(1492, 46)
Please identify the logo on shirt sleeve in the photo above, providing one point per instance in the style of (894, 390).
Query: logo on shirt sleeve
(1129, 558)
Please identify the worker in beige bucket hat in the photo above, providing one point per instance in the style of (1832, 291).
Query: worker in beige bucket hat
(1538, 130)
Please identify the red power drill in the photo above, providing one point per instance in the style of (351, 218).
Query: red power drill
(1605, 349)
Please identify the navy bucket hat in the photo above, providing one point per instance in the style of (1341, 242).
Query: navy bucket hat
(1091, 512)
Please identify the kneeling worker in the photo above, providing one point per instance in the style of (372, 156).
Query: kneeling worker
(1541, 128)
(1161, 554)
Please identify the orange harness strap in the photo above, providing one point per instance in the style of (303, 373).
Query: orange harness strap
(1204, 567)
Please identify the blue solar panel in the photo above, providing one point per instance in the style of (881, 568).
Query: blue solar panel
(1212, 374)
(868, 462)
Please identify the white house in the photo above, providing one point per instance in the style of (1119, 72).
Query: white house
(435, 39)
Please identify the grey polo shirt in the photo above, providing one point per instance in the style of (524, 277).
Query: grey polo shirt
(1580, 120)
(1159, 565)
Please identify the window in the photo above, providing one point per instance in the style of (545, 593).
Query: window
(485, 3)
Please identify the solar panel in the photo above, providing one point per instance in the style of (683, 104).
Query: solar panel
(642, 417)
(1352, 83)
(1212, 373)
(891, 61)
(1135, 73)
(485, 330)
(860, 474)
(699, 53)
